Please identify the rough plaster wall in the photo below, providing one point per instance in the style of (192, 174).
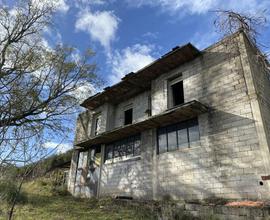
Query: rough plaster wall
(228, 163)
(139, 104)
(132, 177)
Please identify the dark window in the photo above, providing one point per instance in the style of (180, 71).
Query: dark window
(177, 93)
(97, 149)
(128, 116)
(117, 150)
(109, 152)
(130, 146)
(178, 135)
(172, 137)
(162, 140)
(193, 131)
(137, 145)
(182, 137)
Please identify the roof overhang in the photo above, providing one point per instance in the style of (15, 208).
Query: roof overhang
(180, 113)
(135, 83)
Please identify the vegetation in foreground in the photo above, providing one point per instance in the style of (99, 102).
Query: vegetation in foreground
(45, 201)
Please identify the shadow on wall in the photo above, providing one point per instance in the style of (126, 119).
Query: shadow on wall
(219, 168)
(227, 164)
(83, 126)
(132, 178)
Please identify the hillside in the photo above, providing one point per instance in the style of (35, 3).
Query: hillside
(48, 203)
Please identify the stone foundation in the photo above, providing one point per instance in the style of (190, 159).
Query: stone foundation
(227, 213)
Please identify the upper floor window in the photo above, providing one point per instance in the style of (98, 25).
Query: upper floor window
(148, 111)
(128, 114)
(178, 136)
(130, 146)
(175, 91)
(97, 124)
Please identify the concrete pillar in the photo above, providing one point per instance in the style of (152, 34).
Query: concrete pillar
(100, 169)
(154, 171)
(72, 171)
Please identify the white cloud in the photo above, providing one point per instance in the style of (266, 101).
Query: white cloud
(202, 6)
(100, 25)
(60, 5)
(53, 36)
(130, 59)
(98, 2)
(86, 3)
(60, 147)
(195, 6)
(151, 35)
(83, 91)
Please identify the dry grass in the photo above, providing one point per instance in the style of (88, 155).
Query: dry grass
(44, 204)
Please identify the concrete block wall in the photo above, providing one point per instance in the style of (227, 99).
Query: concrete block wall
(139, 104)
(261, 79)
(227, 212)
(83, 126)
(132, 177)
(85, 123)
(258, 91)
(112, 116)
(227, 163)
(230, 157)
(80, 185)
(72, 171)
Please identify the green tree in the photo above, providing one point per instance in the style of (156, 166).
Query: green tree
(38, 84)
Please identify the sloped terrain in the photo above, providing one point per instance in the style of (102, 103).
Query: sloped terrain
(44, 201)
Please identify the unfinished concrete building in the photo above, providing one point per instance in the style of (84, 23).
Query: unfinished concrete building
(191, 125)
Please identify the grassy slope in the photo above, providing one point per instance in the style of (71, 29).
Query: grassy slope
(43, 204)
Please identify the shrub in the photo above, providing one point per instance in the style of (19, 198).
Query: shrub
(42, 182)
(8, 192)
(60, 190)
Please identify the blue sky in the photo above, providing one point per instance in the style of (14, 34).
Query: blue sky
(129, 34)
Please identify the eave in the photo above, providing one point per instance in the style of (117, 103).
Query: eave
(180, 113)
(135, 83)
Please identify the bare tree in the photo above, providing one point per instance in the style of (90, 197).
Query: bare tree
(20, 180)
(229, 22)
(38, 83)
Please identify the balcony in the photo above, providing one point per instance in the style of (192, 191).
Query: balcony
(180, 113)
